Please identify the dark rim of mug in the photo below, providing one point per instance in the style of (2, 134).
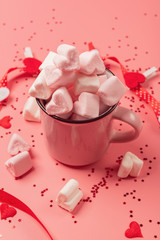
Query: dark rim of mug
(109, 110)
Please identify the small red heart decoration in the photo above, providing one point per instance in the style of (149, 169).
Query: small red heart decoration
(133, 231)
(132, 79)
(7, 211)
(32, 65)
(5, 122)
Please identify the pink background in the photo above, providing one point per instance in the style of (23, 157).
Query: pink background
(128, 30)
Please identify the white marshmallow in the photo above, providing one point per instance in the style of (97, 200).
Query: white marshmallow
(31, 110)
(60, 103)
(87, 105)
(76, 117)
(70, 195)
(56, 78)
(130, 165)
(17, 144)
(111, 91)
(137, 165)
(70, 59)
(48, 61)
(19, 164)
(86, 84)
(125, 166)
(39, 88)
(91, 63)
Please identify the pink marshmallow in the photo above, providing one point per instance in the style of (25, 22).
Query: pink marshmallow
(70, 195)
(56, 78)
(76, 117)
(125, 166)
(39, 88)
(137, 165)
(48, 61)
(67, 58)
(19, 164)
(86, 84)
(91, 63)
(17, 144)
(102, 107)
(31, 110)
(111, 91)
(87, 105)
(60, 103)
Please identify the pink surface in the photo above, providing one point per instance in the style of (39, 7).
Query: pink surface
(126, 30)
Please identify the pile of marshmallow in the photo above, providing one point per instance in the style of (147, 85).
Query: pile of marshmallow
(74, 86)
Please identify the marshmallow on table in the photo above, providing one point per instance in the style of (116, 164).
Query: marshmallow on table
(87, 105)
(70, 195)
(130, 165)
(137, 165)
(91, 63)
(48, 61)
(56, 78)
(60, 103)
(125, 166)
(67, 58)
(17, 144)
(19, 164)
(39, 88)
(31, 110)
(86, 84)
(111, 91)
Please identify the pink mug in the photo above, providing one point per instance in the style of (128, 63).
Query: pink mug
(80, 143)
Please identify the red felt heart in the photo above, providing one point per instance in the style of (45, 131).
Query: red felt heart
(133, 231)
(5, 122)
(32, 65)
(7, 211)
(132, 79)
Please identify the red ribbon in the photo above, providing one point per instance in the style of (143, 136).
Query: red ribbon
(15, 202)
(133, 80)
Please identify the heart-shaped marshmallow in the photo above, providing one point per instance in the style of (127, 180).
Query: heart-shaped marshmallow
(67, 58)
(91, 63)
(60, 103)
(87, 105)
(17, 144)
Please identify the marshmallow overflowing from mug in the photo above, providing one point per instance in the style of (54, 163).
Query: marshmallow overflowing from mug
(75, 84)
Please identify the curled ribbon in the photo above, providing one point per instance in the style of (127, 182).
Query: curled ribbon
(15, 202)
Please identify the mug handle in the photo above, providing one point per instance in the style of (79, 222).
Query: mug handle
(132, 119)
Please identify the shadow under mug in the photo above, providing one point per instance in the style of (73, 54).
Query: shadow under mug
(80, 143)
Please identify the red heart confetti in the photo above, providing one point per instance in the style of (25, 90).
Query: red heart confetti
(5, 122)
(7, 211)
(32, 65)
(15, 202)
(133, 79)
(133, 231)
(141, 92)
